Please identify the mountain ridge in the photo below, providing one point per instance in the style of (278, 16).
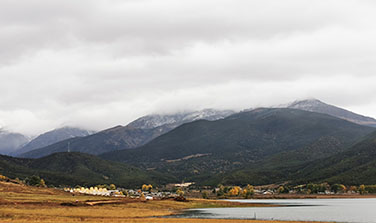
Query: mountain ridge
(240, 139)
(135, 134)
(315, 105)
(51, 137)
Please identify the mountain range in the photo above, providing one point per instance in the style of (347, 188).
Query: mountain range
(135, 134)
(304, 141)
(146, 128)
(202, 149)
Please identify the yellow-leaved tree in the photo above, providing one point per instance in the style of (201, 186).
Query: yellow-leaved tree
(248, 191)
(235, 191)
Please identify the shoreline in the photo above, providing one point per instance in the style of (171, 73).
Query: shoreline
(314, 196)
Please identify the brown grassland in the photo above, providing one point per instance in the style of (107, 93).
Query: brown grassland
(21, 204)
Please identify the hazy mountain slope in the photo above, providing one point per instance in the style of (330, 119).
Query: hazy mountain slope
(315, 105)
(204, 148)
(108, 140)
(79, 169)
(135, 134)
(52, 137)
(10, 142)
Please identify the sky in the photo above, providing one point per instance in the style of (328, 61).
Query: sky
(99, 63)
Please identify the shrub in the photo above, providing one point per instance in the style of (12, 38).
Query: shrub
(205, 195)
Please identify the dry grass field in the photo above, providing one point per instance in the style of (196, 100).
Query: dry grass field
(24, 204)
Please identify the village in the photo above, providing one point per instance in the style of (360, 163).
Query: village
(189, 189)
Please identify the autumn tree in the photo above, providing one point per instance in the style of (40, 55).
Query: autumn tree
(2, 177)
(353, 189)
(143, 188)
(248, 191)
(180, 193)
(362, 189)
(42, 183)
(283, 190)
(147, 187)
(338, 188)
(234, 191)
(150, 187)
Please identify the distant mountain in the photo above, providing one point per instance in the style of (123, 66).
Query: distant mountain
(52, 137)
(80, 169)
(116, 138)
(135, 134)
(10, 142)
(314, 105)
(206, 151)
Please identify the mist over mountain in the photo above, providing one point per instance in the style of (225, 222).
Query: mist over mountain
(10, 142)
(174, 120)
(135, 134)
(52, 137)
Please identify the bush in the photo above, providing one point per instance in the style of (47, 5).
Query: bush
(205, 195)
(336, 188)
(2, 177)
(370, 189)
(35, 181)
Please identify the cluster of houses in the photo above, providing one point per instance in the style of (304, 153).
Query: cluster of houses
(150, 195)
(95, 191)
(120, 192)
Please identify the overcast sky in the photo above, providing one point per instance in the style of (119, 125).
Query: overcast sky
(96, 64)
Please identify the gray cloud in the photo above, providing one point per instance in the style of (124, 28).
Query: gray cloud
(97, 63)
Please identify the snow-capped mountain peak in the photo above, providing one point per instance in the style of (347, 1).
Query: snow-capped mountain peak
(153, 121)
(315, 105)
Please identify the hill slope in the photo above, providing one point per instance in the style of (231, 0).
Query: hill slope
(200, 149)
(314, 105)
(133, 135)
(354, 166)
(79, 169)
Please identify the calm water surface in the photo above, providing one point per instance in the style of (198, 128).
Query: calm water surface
(336, 210)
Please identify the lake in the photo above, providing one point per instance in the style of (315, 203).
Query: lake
(336, 210)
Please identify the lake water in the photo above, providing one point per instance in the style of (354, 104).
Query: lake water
(335, 210)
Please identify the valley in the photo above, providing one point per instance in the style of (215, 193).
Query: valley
(189, 163)
(187, 111)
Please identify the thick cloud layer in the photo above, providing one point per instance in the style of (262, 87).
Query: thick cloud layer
(100, 63)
